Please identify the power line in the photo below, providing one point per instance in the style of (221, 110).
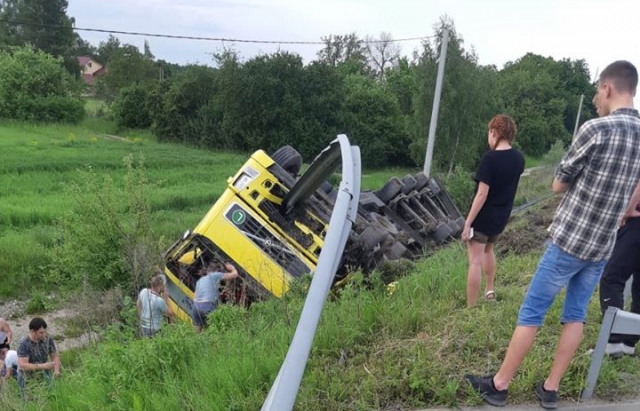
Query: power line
(222, 39)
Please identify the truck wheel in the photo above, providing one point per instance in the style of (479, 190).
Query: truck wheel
(395, 252)
(409, 183)
(441, 234)
(288, 158)
(421, 181)
(326, 187)
(390, 190)
(384, 223)
(373, 236)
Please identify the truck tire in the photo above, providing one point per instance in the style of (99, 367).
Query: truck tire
(409, 183)
(384, 222)
(373, 236)
(288, 158)
(395, 252)
(326, 187)
(421, 181)
(391, 189)
(441, 234)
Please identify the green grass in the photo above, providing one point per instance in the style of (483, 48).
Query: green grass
(37, 160)
(373, 350)
(532, 161)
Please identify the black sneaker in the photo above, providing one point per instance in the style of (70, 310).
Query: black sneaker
(548, 399)
(487, 390)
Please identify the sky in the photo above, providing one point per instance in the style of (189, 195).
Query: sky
(599, 31)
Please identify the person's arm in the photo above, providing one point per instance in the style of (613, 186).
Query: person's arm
(574, 160)
(56, 363)
(631, 211)
(9, 373)
(169, 309)
(139, 306)
(476, 206)
(24, 364)
(231, 272)
(4, 326)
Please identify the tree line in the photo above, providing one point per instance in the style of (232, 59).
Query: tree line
(364, 87)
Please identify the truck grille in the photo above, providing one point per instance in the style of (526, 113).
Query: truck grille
(267, 242)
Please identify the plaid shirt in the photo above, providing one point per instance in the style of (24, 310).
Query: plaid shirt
(602, 167)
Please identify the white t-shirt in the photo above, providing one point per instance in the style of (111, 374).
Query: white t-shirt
(153, 310)
(11, 360)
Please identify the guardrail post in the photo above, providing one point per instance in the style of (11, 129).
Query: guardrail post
(615, 321)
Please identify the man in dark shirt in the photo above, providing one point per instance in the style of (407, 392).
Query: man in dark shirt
(600, 175)
(34, 352)
(624, 263)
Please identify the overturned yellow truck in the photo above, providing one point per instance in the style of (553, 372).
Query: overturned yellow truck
(273, 241)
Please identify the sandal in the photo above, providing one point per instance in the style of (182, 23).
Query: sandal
(490, 295)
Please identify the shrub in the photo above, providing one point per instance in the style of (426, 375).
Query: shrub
(131, 107)
(461, 188)
(35, 86)
(107, 240)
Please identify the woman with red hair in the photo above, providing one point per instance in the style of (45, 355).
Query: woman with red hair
(497, 182)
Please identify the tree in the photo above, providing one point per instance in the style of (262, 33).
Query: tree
(469, 100)
(107, 48)
(147, 51)
(543, 94)
(35, 87)
(340, 49)
(382, 52)
(126, 67)
(48, 27)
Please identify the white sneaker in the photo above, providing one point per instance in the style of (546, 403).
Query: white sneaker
(627, 350)
(614, 349)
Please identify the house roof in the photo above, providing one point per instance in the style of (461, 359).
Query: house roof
(83, 60)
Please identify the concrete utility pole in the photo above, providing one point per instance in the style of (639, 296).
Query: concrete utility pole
(575, 129)
(436, 103)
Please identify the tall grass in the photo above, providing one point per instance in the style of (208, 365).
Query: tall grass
(36, 160)
(373, 350)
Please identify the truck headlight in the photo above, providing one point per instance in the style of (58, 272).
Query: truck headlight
(244, 179)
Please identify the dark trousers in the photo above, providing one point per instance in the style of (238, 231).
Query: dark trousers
(624, 263)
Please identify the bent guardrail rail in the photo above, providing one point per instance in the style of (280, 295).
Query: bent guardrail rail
(615, 321)
(285, 388)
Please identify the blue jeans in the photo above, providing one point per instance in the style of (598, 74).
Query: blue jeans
(200, 311)
(558, 269)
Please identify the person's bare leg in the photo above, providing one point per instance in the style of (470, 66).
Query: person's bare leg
(569, 341)
(475, 250)
(489, 267)
(519, 346)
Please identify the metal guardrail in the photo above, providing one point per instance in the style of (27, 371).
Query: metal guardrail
(615, 321)
(284, 390)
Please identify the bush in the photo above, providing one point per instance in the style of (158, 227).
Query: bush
(107, 240)
(554, 155)
(461, 188)
(131, 107)
(35, 86)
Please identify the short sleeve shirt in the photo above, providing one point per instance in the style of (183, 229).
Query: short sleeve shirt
(207, 288)
(38, 352)
(154, 309)
(500, 170)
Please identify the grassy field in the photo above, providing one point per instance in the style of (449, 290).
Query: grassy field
(35, 162)
(374, 350)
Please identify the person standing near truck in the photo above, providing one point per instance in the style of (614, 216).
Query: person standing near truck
(207, 293)
(497, 181)
(153, 306)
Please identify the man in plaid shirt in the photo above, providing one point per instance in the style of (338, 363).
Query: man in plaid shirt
(600, 175)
